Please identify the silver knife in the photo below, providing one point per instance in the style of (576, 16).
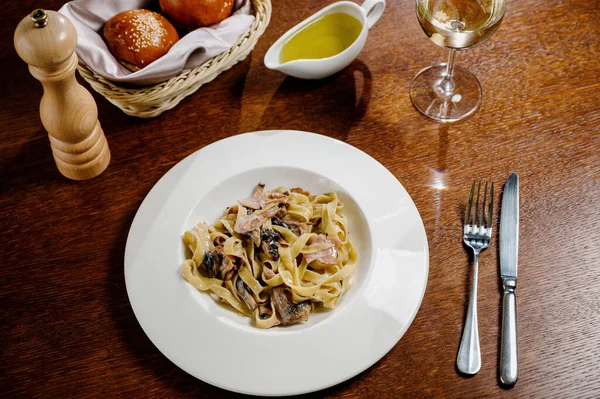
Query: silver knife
(509, 254)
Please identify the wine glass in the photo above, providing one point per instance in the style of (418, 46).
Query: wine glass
(448, 93)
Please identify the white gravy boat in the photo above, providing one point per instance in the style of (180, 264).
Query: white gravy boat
(367, 14)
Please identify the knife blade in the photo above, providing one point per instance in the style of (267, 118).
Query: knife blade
(509, 250)
(509, 228)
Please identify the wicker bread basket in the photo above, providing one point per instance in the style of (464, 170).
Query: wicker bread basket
(151, 101)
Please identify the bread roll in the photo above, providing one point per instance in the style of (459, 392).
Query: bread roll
(193, 14)
(137, 38)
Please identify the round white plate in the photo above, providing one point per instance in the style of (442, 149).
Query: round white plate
(222, 348)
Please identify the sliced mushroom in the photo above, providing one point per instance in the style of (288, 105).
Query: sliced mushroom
(301, 226)
(227, 268)
(242, 290)
(264, 312)
(289, 312)
(253, 235)
(282, 210)
(270, 243)
(295, 227)
(226, 265)
(210, 261)
(233, 210)
(281, 223)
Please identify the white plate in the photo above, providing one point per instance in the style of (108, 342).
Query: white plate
(222, 348)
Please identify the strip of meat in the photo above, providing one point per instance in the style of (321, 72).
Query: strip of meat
(268, 273)
(327, 256)
(257, 200)
(246, 223)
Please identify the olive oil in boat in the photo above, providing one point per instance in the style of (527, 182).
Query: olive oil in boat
(325, 37)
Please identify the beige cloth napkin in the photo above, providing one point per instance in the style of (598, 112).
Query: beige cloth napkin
(193, 49)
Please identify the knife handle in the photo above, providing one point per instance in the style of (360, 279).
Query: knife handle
(508, 348)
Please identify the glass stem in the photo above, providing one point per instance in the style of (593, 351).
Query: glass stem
(447, 84)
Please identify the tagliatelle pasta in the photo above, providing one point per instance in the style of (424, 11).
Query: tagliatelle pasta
(274, 256)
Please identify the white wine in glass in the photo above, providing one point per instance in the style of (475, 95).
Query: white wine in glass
(445, 92)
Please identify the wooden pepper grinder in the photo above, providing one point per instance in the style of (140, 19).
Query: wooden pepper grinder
(46, 40)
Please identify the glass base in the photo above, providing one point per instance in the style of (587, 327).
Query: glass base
(445, 106)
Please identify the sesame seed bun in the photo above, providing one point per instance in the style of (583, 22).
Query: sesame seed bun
(139, 37)
(193, 14)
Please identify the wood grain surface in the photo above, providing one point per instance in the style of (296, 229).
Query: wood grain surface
(66, 326)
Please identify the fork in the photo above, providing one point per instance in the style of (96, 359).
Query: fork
(477, 232)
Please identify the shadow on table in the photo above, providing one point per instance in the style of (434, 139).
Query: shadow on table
(201, 106)
(330, 106)
(31, 166)
(25, 157)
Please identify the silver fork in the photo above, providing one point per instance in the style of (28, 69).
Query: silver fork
(477, 232)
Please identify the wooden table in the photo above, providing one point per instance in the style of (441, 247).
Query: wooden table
(66, 326)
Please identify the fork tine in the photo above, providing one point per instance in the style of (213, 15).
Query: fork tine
(483, 205)
(476, 222)
(491, 209)
(469, 204)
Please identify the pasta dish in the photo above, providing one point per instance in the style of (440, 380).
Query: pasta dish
(275, 256)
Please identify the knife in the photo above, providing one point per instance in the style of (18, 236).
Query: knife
(509, 248)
